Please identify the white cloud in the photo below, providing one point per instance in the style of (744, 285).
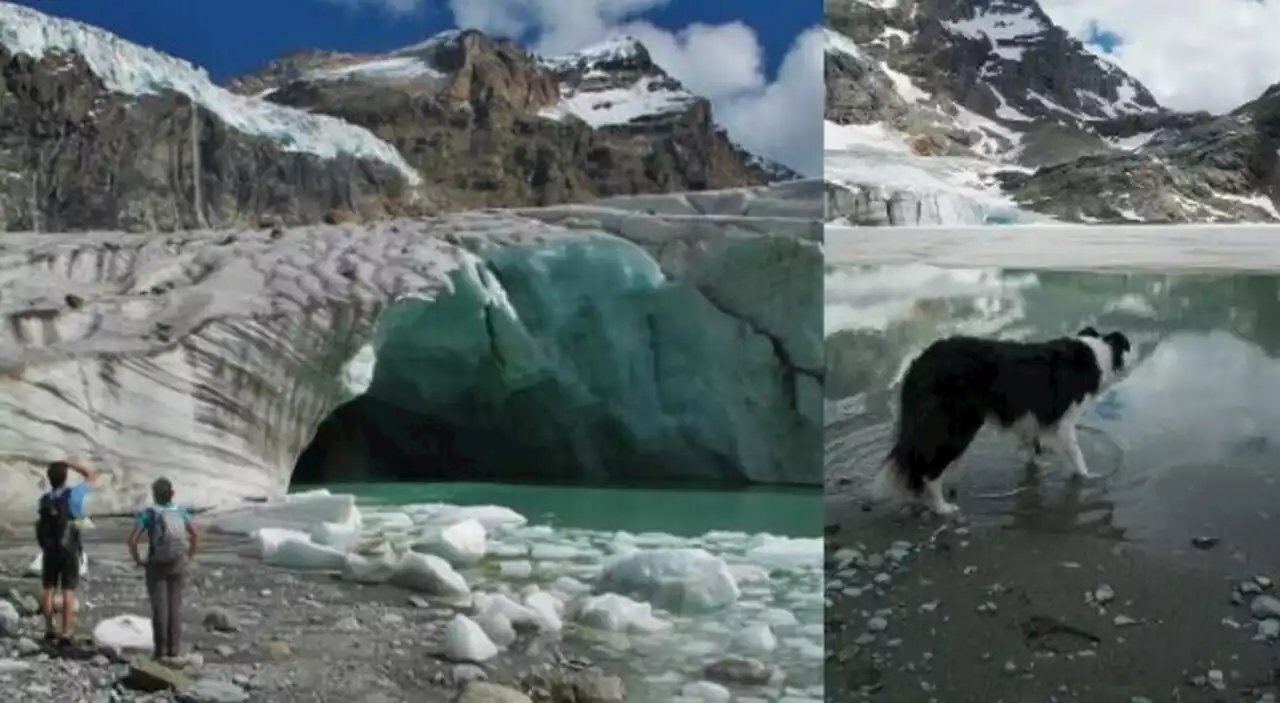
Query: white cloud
(395, 8)
(785, 118)
(724, 63)
(1191, 54)
(562, 25)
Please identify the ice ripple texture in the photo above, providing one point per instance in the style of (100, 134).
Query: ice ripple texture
(211, 357)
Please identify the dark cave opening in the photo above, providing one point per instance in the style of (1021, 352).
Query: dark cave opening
(530, 441)
(366, 441)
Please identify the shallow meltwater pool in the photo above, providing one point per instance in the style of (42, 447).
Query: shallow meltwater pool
(769, 540)
(1187, 445)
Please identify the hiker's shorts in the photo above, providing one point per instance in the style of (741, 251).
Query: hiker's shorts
(61, 569)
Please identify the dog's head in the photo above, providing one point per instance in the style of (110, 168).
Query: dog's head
(1117, 346)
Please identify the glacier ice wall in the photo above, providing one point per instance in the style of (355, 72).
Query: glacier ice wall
(878, 187)
(212, 357)
(596, 368)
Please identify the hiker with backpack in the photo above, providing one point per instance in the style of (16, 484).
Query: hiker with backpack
(61, 518)
(172, 541)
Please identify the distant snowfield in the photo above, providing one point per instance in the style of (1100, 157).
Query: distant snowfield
(620, 106)
(1181, 248)
(847, 137)
(1002, 30)
(959, 190)
(395, 69)
(135, 70)
(835, 41)
(646, 97)
(404, 65)
(896, 170)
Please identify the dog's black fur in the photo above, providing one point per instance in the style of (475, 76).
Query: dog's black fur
(952, 389)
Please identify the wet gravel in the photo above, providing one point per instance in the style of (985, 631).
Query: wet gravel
(919, 609)
(260, 634)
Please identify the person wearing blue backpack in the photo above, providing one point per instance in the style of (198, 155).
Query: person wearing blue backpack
(172, 541)
(61, 518)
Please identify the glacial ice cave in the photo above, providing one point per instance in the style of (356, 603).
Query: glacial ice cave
(579, 362)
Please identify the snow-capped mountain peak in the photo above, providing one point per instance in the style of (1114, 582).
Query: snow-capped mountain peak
(416, 62)
(615, 82)
(618, 49)
(973, 111)
(431, 43)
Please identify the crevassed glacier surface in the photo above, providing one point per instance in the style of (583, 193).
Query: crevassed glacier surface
(884, 183)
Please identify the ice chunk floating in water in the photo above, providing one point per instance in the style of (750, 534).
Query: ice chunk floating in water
(764, 592)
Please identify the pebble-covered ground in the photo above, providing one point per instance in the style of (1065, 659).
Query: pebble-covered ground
(264, 634)
(924, 610)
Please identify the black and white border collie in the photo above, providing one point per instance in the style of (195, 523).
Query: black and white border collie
(1037, 390)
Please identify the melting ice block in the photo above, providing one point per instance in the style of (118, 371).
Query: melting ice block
(461, 544)
(430, 574)
(466, 641)
(616, 613)
(299, 512)
(123, 633)
(673, 579)
(292, 549)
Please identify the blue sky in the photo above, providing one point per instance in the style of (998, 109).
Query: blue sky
(1102, 39)
(229, 37)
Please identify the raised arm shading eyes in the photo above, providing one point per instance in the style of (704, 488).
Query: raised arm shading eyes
(193, 538)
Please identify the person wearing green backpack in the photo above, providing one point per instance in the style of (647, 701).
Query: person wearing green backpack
(172, 542)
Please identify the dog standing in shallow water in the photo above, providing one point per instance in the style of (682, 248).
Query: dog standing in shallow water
(1037, 390)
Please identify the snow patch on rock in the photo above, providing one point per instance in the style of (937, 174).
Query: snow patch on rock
(128, 68)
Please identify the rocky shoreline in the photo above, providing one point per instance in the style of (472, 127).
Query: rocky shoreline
(264, 634)
(921, 610)
(311, 599)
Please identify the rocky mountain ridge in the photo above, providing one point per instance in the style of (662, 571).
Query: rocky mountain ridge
(985, 111)
(97, 132)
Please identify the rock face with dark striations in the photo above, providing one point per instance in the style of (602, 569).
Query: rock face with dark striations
(1004, 60)
(1220, 169)
(995, 114)
(488, 124)
(75, 154)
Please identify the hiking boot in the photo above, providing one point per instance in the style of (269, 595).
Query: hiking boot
(177, 661)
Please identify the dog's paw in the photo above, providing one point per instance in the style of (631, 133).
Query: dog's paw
(945, 509)
(1082, 475)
